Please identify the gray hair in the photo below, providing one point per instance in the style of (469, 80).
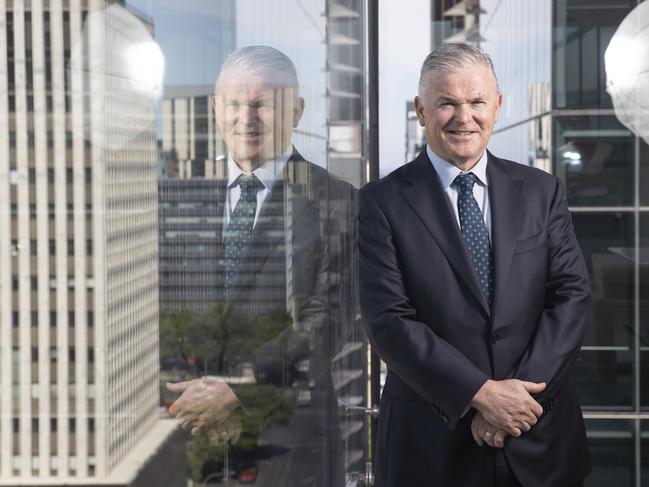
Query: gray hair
(266, 61)
(453, 57)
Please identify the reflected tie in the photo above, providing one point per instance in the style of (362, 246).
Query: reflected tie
(474, 233)
(238, 233)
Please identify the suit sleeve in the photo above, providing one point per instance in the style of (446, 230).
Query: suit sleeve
(562, 326)
(428, 364)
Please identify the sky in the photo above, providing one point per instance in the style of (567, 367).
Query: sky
(193, 49)
(404, 42)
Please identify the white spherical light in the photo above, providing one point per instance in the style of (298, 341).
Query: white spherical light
(627, 71)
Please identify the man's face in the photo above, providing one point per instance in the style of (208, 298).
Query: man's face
(458, 110)
(256, 118)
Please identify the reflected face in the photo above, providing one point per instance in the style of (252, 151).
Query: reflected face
(458, 110)
(256, 118)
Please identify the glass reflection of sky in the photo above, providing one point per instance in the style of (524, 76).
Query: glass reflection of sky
(194, 35)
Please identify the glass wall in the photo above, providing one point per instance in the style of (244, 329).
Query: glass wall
(564, 116)
(600, 162)
(514, 30)
(612, 446)
(176, 247)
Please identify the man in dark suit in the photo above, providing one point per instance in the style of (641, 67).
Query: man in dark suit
(283, 285)
(476, 296)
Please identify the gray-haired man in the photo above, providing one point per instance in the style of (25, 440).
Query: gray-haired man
(476, 296)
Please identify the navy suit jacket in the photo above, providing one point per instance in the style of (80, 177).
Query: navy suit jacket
(428, 319)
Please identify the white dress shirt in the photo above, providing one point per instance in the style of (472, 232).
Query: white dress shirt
(447, 173)
(267, 174)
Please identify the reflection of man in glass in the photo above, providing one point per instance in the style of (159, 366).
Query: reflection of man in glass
(283, 294)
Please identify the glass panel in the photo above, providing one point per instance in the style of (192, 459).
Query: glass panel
(524, 77)
(263, 301)
(594, 156)
(644, 453)
(644, 173)
(174, 246)
(582, 31)
(603, 372)
(644, 308)
(611, 445)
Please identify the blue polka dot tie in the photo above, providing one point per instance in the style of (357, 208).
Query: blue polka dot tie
(474, 232)
(238, 233)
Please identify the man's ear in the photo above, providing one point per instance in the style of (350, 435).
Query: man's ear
(499, 104)
(419, 110)
(213, 102)
(298, 110)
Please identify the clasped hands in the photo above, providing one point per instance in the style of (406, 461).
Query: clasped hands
(207, 406)
(504, 408)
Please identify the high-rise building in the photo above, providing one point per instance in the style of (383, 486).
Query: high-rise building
(194, 159)
(346, 91)
(455, 21)
(191, 140)
(78, 246)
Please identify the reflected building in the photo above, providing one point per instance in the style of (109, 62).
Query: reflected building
(194, 159)
(415, 139)
(192, 162)
(346, 96)
(557, 115)
(191, 141)
(345, 41)
(78, 253)
(455, 21)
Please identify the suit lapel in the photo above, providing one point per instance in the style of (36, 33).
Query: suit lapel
(506, 198)
(427, 199)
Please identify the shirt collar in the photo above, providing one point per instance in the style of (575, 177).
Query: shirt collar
(267, 173)
(448, 172)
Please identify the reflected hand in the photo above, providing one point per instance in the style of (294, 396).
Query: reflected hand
(203, 404)
(508, 404)
(484, 432)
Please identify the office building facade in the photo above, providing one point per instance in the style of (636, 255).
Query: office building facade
(78, 285)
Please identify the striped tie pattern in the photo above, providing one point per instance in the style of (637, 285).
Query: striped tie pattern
(475, 233)
(238, 234)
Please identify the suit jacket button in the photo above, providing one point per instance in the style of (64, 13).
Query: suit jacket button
(494, 338)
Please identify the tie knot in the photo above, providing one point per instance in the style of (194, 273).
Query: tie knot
(464, 182)
(249, 184)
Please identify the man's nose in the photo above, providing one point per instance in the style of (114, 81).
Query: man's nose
(463, 112)
(248, 113)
